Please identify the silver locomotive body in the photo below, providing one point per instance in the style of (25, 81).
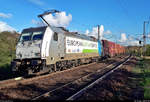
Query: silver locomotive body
(52, 49)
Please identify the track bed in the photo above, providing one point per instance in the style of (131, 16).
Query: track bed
(120, 85)
(30, 88)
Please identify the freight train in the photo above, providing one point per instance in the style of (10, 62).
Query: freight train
(54, 48)
(50, 49)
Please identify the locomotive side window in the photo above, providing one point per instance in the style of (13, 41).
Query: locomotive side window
(55, 37)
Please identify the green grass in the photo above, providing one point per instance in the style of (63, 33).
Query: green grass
(147, 93)
(143, 69)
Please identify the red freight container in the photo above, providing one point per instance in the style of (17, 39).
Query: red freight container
(105, 47)
(111, 49)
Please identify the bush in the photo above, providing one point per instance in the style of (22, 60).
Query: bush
(147, 53)
(7, 47)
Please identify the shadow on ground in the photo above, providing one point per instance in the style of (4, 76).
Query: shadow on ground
(5, 72)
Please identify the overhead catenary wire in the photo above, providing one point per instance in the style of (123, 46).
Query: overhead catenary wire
(125, 11)
(86, 26)
(74, 22)
(35, 5)
(131, 19)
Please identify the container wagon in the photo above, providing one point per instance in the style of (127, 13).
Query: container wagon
(111, 49)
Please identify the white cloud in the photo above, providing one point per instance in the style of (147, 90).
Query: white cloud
(108, 32)
(134, 43)
(124, 40)
(5, 27)
(3, 15)
(148, 35)
(128, 41)
(87, 32)
(123, 37)
(94, 32)
(101, 31)
(37, 2)
(58, 20)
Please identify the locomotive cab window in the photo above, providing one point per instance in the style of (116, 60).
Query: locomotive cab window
(25, 37)
(55, 36)
(37, 35)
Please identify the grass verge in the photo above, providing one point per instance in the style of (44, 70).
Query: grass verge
(143, 69)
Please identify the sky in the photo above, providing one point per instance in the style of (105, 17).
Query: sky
(120, 21)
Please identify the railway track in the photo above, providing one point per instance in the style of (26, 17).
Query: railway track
(16, 80)
(74, 89)
(79, 93)
(33, 87)
(22, 79)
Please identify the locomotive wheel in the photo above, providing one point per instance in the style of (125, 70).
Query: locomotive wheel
(15, 73)
(30, 72)
(50, 69)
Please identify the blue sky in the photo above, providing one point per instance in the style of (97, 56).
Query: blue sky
(117, 16)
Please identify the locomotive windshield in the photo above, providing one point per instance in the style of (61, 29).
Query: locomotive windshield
(25, 37)
(37, 36)
(31, 36)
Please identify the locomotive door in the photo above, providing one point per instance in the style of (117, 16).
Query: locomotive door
(61, 46)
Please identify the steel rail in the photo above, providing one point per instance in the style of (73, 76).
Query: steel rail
(21, 78)
(79, 93)
(15, 80)
(47, 93)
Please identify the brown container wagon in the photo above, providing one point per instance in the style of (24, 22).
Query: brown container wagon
(111, 49)
(105, 48)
